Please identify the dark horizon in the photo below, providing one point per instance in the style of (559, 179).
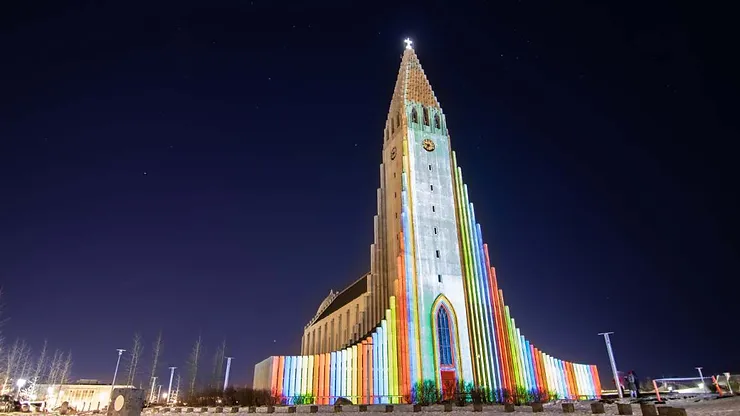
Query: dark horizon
(212, 170)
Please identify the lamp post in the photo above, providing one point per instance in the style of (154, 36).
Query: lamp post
(701, 376)
(151, 391)
(228, 368)
(169, 390)
(115, 373)
(613, 363)
(19, 383)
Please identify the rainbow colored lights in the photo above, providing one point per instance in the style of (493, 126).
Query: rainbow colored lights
(385, 366)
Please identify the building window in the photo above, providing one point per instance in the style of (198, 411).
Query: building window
(414, 116)
(396, 215)
(433, 209)
(437, 253)
(444, 337)
(394, 195)
(431, 187)
(430, 167)
(426, 116)
(435, 230)
(439, 278)
(436, 121)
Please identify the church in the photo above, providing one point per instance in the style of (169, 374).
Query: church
(430, 308)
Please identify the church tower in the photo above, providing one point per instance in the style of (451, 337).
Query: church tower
(421, 247)
(430, 308)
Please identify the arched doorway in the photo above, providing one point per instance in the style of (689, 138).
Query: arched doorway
(446, 351)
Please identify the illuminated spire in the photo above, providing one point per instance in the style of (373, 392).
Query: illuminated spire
(412, 84)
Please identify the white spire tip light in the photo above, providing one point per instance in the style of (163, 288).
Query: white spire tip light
(408, 43)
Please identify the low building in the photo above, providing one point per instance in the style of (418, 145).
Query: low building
(82, 396)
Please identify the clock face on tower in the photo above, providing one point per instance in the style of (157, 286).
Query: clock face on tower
(428, 145)
(393, 153)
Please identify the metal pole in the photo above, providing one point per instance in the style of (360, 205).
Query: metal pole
(151, 392)
(703, 384)
(115, 373)
(169, 390)
(228, 368)
(613, 363)
(159, 393)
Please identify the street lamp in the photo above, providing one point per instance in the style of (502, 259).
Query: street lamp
(115, 373)
(613, 363)
(169, 390)
(20, 383)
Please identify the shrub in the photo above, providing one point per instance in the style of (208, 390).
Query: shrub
(425, 393)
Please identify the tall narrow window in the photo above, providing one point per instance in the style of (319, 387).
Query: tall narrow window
(430, 167)
(436, 121)
(433, 209)
(439, 278)
(426, 116)
(414, 116)
(437, 253)
(431, 187)
(435, 230)
(444, 337)
(321, 343)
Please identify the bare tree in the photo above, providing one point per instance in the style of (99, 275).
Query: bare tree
(36, 375)
(134, 359)
(55, 368)
(218, 366)
(156, 351)
(66, 368)
(193, 366)
(14, 361)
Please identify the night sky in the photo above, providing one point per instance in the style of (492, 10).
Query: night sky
(210, 167)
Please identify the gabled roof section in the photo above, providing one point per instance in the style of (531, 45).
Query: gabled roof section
(412, 84)
(336, 302)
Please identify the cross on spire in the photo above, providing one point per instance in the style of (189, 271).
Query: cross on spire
(408, 43)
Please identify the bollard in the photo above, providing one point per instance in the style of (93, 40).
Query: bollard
(664, 410)
(477, 407)
(166, 410)
(235, 409)
(509, 407)
(624, 408)
(291, 409)
(448, 407)
(648, 409)
(252, 409)
(389, 408)
(537, 408)
(597, 408)
(189, 410)
(677, 411)
(337, 408)
(204, 410)
(313, 409)
(569, 408)
(270, 409)
(219, 410)
(362, 408)
(177, 410)
(416, 408)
